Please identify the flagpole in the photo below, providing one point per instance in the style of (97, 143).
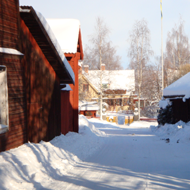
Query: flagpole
(162, 56)
(162, 47)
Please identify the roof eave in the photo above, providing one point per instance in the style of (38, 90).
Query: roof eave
(69, 79)
(173, 96)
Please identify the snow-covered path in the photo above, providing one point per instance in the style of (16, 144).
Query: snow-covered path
(106, 156)
(133, 158)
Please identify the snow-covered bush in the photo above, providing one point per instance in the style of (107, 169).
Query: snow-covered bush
(165, 115)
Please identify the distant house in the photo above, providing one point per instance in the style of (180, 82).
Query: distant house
(118, 87)
(87, 91)
(178, 94)
(88, 108)
(68, 33)
(30, 81)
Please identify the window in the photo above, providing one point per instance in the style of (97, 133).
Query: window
(142, 103)
(105, 85)
(4, 116)
(118, 102)
(106, 101)
(85, 87)
(110, 102)
(125, 101)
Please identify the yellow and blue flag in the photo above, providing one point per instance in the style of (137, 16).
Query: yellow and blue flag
(161, 8)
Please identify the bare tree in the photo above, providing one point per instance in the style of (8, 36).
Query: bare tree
(139, 53)
(100, 39)
(181, 71)
(100, 51)
(151, 85)
(177, 48)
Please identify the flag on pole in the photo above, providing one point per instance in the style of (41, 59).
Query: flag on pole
(161, 8)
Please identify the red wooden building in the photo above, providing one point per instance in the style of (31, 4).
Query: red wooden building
(33, 77)
(71, 44)
(66, 110)
(73, 59)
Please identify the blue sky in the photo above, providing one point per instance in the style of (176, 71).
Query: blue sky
(119, 16)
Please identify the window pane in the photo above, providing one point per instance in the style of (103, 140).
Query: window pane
(4, 117)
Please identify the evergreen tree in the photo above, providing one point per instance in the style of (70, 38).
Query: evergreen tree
(165, 115)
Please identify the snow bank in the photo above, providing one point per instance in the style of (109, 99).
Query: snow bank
(31, 165)
(179, 132)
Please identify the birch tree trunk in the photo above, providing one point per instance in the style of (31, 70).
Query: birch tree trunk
(139, 52)
(100, 61)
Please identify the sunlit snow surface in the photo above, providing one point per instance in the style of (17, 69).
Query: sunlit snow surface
(103, 156)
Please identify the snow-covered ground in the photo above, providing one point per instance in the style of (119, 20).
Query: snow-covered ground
(103, 156)
(178, 133)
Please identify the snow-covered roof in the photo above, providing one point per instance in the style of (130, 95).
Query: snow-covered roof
(116, 79)
(80, 63)
(56, 44)
(10, 51)
(179, 87)
(52, 38)
(84, 106)
(66, 32)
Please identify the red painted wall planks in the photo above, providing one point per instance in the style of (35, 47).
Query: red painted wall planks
(17, 108)
(74, 94)
(9, 34)
(43, 91)
(73, 123)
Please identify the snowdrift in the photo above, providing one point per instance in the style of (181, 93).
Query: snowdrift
(27, 166)
(177, 133)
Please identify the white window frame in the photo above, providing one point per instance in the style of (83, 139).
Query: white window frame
(4, 108)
